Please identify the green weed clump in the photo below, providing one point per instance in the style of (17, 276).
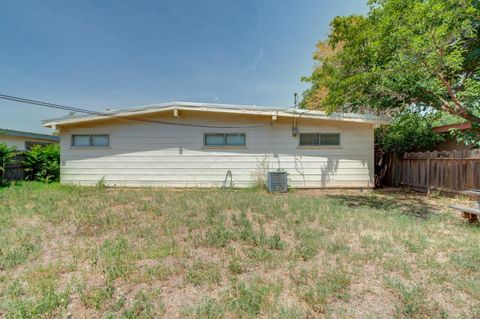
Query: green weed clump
(331, 285)
(249, 299)
(201, 273)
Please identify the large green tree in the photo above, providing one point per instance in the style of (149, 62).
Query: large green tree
(402, 53)
(410, 131)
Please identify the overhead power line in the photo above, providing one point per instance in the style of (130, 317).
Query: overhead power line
(110, 115)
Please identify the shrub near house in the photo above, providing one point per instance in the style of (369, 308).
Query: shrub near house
(42, 163)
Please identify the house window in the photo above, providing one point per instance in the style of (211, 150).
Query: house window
(90, 140)
(319, 139)
(224, 139)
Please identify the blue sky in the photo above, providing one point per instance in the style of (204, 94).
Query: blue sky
(99, 54)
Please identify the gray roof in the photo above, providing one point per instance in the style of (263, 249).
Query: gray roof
(29, 134)
(215, 107)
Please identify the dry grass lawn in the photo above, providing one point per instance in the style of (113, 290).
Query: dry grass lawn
(148, 253)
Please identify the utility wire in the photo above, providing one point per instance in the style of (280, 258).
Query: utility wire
(106, 114)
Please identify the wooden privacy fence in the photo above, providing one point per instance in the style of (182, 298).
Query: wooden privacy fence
(452, 171)
(14, 170)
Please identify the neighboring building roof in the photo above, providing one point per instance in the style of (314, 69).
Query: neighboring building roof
(29, 135)
(218, 108)
(447, 128)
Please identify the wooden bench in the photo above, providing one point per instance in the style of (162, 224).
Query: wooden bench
(468, 212)
(471, 213)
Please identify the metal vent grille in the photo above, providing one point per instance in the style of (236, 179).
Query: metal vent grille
(277, 182)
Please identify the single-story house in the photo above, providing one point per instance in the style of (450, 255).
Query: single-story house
(23, 141)
(183, 144)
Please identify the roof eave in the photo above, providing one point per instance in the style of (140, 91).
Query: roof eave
(37, 136)
(319, 115)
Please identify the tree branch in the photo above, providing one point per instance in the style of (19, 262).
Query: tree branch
(460, 109)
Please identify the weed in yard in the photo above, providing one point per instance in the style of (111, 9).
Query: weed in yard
(15, 290)
(97, 296)
(376, 248)
(47, 304)
(43, 279)
(120, 303)
(214, 216)
(201, 273)
(397, 264)
(259, 255)
(117, 258)
(331, 285)
(218, 237)
(470, 285)
(289, 313)
(16, 247)
(469, 259)
(156, 249)
(248, 300)
(245, 227)
(144, 307)
(413, 301)
(157, 272)
(304, 276)
(337, 247)
(209, 308)
(101, 184)
(235, 265)
(92, 220)
(310, 242)
(275, 242)
(415, 241)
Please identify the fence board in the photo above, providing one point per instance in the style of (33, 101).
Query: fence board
(456, 171)
(14, 170)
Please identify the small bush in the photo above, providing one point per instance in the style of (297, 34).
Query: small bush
(42, 163)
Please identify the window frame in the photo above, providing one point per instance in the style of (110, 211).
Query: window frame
(90, 140)
(339, 145)
(224, 140)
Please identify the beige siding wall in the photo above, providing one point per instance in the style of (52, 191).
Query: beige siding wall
(19, 142)
(150, 154)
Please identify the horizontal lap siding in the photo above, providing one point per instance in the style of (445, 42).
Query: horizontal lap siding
(145, 154)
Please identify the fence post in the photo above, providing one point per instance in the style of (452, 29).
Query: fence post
(428, 175)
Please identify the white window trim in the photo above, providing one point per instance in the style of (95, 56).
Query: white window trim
(90, 147)
(224, 146)
(320, 146)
